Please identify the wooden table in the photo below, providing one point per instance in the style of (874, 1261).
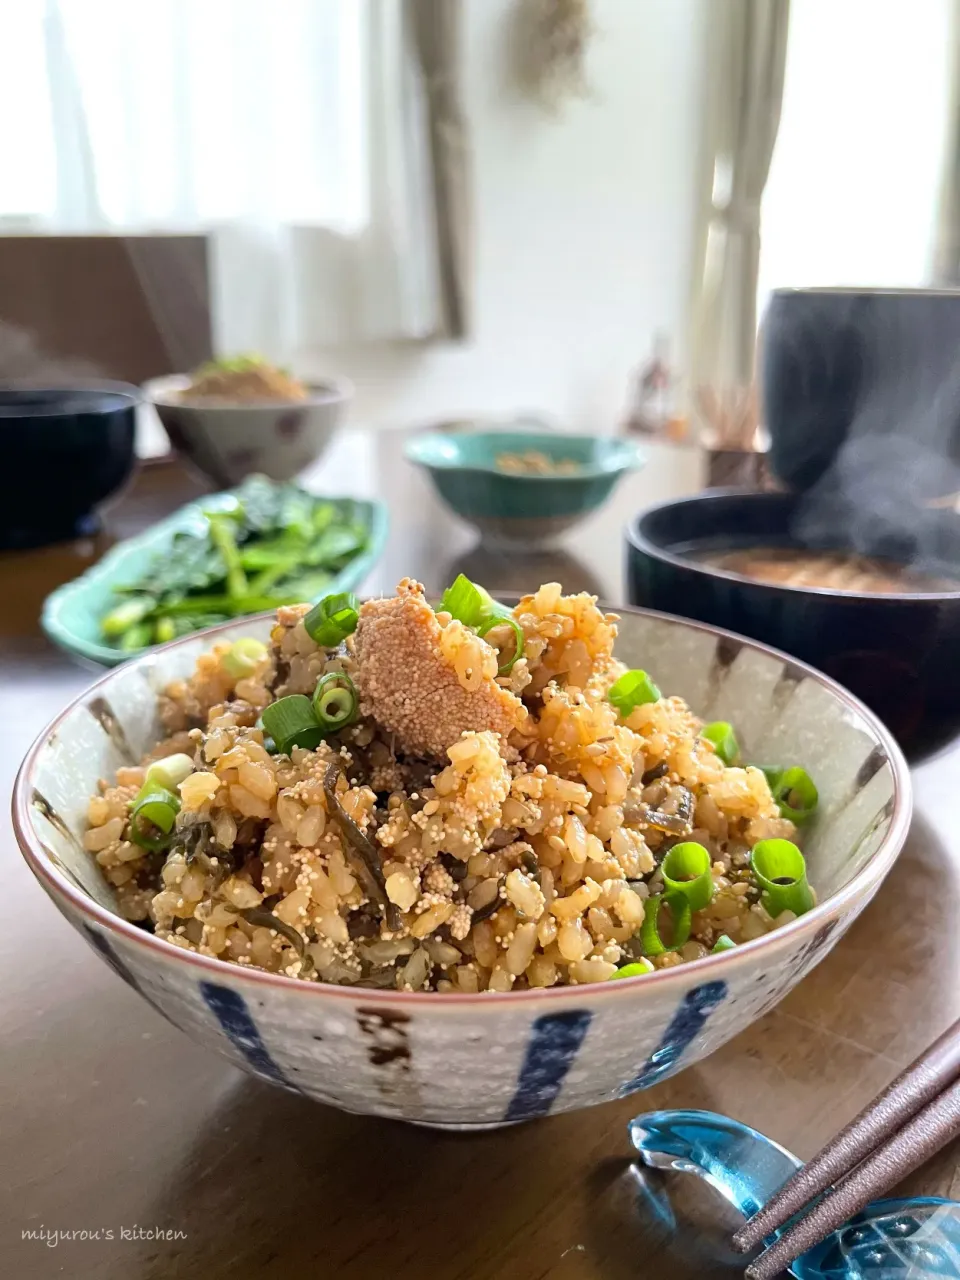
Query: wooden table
(112, 1121)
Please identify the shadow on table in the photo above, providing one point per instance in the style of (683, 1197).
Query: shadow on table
(674, 1222)
(276, 1187)
(516, 572)
(874, 988)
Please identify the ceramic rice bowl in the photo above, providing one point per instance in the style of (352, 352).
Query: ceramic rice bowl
(463, 1061)
(529, 510)
(230, 441)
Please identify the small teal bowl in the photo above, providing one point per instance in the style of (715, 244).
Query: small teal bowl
(71, 614)
(522, 511)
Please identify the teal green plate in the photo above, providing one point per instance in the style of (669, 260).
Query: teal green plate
(522, 510)
(71, 614)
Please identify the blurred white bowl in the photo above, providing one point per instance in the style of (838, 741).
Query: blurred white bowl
(229, 441)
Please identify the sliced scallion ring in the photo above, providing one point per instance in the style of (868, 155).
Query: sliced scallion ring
(153, 815)
(291, 722)
(335, 701)
(651, 939)
(634, 970)
(468, 602)
(506, 621)
(724, 740)
(474, 606)
(170, 771)
(334, 618)
(780, 870)
(794, 791)
(243, 657)
(688, 869)
(633, 689)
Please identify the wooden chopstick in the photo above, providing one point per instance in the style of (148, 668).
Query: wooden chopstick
(922, 1137)
(918, 1087)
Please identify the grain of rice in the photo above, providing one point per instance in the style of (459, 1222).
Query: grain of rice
(522, 808)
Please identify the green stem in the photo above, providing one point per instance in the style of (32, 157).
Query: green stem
(232, 606)
(127, 615)
(222, 536)
(264, 580)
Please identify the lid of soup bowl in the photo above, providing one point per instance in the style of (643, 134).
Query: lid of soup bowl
(865, 371)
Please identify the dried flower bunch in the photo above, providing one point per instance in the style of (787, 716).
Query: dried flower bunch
(552, 48)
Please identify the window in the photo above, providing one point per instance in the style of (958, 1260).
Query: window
(179, 114)
(854, 186)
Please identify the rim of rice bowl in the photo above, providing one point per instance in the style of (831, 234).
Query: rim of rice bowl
(874, 869)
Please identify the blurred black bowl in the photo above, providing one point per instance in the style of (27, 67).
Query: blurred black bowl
(62, 452)
(898, 653)
(868, 378)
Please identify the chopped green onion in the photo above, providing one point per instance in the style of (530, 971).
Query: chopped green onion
(268, 742)
(126, 615)
(243, 657)
(144, 837)
(634, 970)
(781, 872)
(468, 602)
(335, 701)
(157, 805)
(508, 621)
(170, 771)
(154, 810)
(687, 869)
(794, 791)
(472, 605)
(333, 619)
(651, 939)
(633, 689)
(291, 722)
(724, 740)
(723, 943)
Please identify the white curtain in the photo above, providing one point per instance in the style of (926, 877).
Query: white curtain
(853, 190)
(293, 132)
(748, 52)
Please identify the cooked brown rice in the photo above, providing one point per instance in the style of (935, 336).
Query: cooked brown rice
(511, 814)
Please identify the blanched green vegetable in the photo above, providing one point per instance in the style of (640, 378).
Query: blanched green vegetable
(277, 545)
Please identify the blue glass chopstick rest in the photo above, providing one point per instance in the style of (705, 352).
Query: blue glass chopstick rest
(890, 1240)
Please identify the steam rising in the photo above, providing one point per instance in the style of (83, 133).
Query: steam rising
(862, 397)
(23, 362)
